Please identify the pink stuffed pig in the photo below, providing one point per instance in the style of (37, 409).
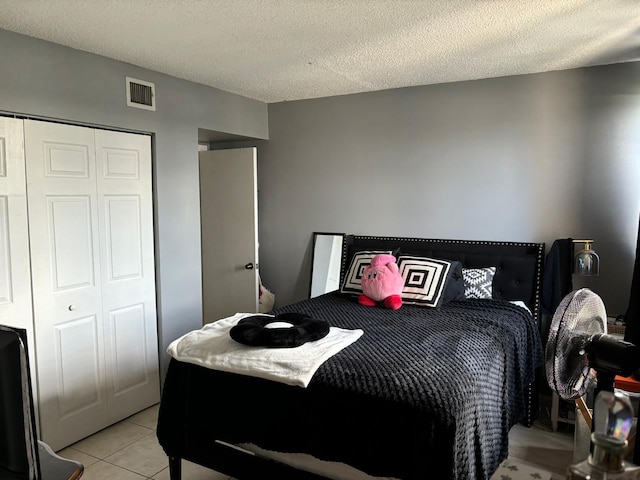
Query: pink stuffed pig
(382, 282)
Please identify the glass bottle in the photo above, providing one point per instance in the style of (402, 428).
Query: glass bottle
(612, 417)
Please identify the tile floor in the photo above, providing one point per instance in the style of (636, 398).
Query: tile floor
(129, 450)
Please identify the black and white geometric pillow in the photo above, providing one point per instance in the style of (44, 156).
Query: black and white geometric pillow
(353, 279)
(424, 280)
(478, 282)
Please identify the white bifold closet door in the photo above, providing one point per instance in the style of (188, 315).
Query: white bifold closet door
(15, 270)
(91, 237)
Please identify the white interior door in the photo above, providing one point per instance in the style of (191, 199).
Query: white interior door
(90, 219)
(125, 216)
(229, 229)
(15, 276)
(67, 296)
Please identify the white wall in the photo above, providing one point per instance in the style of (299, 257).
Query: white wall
(526, 158)
(49, 81)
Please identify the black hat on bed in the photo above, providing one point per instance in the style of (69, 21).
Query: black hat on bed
(253, 330)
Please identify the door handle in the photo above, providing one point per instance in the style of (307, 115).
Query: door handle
(249, 266)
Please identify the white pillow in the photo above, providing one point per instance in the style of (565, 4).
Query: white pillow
(478, 282)
(424, 280)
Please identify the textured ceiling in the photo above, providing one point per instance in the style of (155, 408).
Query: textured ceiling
(276, 50)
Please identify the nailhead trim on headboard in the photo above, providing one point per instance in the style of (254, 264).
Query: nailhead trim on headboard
(538, 246)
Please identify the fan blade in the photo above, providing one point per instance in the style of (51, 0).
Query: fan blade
(579, 317)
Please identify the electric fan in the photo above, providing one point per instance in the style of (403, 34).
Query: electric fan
(579, 350)
(580, 315)
(579, 353)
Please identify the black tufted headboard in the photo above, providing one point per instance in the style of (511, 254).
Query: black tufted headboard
(518, 265)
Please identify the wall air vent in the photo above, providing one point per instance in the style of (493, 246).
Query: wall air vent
(141, 94)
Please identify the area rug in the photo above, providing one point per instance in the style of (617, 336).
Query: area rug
(510, 469)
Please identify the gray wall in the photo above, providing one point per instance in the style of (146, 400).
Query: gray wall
(529, 158)
(526, 158)
(45, 80)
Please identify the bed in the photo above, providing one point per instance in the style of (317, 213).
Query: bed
(427, 391)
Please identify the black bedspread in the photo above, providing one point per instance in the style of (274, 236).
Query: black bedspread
(424, 393)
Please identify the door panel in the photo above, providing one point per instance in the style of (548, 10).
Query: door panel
(67, 297)
(6, 282)
(123, 238)
(71, 242)
(123, 165)
(15, 266)
(130, 366)
(91, 220)
(229, 229)
(66, 161)
(79, 381)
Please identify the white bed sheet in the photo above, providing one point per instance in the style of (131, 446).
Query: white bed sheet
(212, 347)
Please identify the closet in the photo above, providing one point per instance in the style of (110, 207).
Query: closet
(89, 307)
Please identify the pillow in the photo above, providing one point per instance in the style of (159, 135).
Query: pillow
(478, 282)
(424, 280)
(454, 289)
(352, 280)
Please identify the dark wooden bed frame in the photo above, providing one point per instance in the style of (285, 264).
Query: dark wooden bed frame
(518, 277)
